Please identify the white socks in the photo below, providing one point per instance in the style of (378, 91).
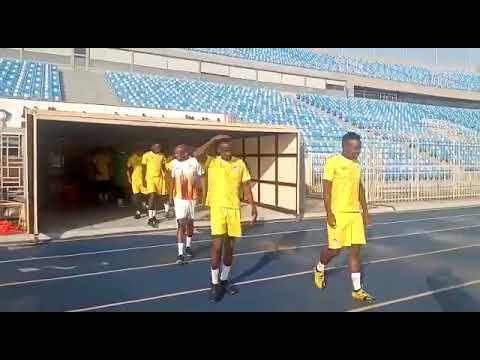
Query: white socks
(225, 272)
(357, 284)
(320, 267)
(214, 276)
(189, 241)
(152, 214)
(223, 275)
(180, 248)
(167, 207)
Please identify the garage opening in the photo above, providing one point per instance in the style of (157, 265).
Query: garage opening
(61, 189)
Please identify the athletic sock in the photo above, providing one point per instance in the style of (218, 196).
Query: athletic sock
(320, 266)
(151, 214)
(180, 248)
(214, 276)
(357, 285)
(189, 241)
(167, 207)
(225, 272)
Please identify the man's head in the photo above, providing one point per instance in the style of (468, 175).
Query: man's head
(224, 148)
(351, 145)
(138, 149)
(156, 148)
(181, 152)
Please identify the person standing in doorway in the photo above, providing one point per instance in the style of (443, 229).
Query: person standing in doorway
(103, 167)
(136, 180)
(153, 162)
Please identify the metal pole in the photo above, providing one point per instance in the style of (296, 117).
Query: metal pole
(87, 59)
(436, 56)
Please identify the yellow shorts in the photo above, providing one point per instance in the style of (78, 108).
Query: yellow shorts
(224, 221)
(156, 185)
(137, 186)
(349, 231)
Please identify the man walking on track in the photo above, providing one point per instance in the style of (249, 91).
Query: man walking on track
(343, 196)
(227, 176)
(184, 189)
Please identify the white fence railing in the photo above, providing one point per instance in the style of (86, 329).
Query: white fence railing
(410, 171)
(11, 165)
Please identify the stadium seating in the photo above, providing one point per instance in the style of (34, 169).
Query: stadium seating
(257, 105)
(322, 120)
(29, 80)
(306, 58)
(444, 133)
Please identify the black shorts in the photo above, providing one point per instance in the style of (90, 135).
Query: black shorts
(103, 186)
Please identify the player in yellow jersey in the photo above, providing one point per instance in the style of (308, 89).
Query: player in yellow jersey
(103, 167)
(344, 197)
(153, 162)
(135, 179)
(227, 176)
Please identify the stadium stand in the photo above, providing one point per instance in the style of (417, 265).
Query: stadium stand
(29, 80)
(257, 105)
(321, 119)
(306, 58)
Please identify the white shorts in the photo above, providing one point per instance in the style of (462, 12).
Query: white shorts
(184, 209)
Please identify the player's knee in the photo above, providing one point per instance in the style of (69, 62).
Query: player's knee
(182, 223)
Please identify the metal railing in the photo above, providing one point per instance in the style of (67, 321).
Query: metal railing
(410, 171)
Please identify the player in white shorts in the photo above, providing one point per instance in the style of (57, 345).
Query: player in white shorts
(186, 173)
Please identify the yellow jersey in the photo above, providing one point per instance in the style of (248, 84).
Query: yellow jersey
(155, 164)
(224, 181)
(207, 162)
(345, 176)
(135, 162)
(102, 164)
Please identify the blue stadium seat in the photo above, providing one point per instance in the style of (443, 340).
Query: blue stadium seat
(29, 80)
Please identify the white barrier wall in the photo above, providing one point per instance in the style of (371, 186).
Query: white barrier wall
(271, 77)
(15, 108)
(183, 65)
(316, 83)
(243, 73)
(154, 61)
(211, 68)
(51, 51)
(293, 80)
(112, 55)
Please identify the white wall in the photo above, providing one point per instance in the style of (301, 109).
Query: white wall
(52, 51)
(211, 68)
(243, 73)
(271, 77)
(15, 107)
(293, 80)
(316, 83)
(112, 55)
(153, 61)
(183, 65)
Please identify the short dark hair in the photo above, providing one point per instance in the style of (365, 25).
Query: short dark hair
(350, 136)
